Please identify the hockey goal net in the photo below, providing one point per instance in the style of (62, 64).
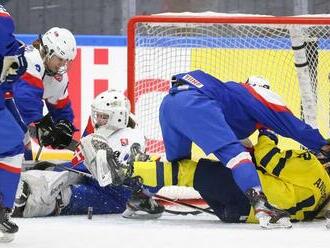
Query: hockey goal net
(291, 52)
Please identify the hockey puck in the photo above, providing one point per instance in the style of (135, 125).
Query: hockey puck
(90, 213)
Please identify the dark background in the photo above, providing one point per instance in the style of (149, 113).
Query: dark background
(110, 16)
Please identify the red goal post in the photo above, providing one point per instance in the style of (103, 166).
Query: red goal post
(293, 53)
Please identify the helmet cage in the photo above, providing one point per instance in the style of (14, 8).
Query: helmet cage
(110, 110)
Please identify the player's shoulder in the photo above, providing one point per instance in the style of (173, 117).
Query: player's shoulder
(3, 11)
(35, 63)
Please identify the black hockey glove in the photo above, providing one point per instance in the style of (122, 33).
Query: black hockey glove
(44, 130)
(58, 135)
(62, 134)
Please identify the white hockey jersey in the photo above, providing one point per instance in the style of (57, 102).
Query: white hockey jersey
(35, 86)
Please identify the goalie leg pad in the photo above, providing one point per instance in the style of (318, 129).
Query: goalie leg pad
(47, 188)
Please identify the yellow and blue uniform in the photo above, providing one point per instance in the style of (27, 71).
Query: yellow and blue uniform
(293, 180)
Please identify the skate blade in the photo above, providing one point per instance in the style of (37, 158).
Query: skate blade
(141, 215)
(283, 223)
(6, 237)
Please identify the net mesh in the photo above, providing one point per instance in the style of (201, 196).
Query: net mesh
(231, 52)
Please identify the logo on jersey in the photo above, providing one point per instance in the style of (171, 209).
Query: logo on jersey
(192, 80)
(38, 67)
(78, 157)
(124, 142)
(58, 77)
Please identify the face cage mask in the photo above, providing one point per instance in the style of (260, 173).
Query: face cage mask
(100, 119)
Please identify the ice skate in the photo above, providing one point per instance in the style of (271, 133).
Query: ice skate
(269, 217)
(7, 227)
(142, 206)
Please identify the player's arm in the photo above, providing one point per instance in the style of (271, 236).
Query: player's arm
(13, 64)
(61, 109)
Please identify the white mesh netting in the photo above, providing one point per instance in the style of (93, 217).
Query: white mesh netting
(232, 52)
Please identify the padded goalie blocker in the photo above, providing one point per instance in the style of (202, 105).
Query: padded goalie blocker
(102, 162)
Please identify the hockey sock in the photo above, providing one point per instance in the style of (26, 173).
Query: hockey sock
(240, 163)
(159, 174)
(246, 176)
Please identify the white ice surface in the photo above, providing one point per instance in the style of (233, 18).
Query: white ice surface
(113, 231)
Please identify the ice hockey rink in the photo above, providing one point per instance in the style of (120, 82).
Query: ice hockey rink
(170, 230)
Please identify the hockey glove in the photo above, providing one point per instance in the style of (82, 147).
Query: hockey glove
(58, 135)
(13, 67)
(62, 134)
(44, 130)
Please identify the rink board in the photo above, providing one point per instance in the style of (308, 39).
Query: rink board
(101, 63)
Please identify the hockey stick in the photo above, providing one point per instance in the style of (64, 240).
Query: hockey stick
(199, 209)
(39, 153)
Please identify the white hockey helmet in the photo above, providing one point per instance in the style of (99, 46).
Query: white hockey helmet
(59, 42)
(258, 81)
(110, 111)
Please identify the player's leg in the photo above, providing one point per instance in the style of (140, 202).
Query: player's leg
(213, 181)
(11, 106)
(103, 200)
(11, 155)
(202, 121)
(177, 145)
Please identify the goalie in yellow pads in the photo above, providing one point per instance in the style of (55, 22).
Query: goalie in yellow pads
(293, 180)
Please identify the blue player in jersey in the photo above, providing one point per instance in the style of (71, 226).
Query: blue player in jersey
(46, 81)
(12, 66)
(216, 115)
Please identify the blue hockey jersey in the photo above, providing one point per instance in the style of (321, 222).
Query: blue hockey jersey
(208, 107)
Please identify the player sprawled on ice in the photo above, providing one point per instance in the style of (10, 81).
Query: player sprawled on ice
(295, 181)
(46, 81)
(216, 115)
(12, 66)
(46, 193)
